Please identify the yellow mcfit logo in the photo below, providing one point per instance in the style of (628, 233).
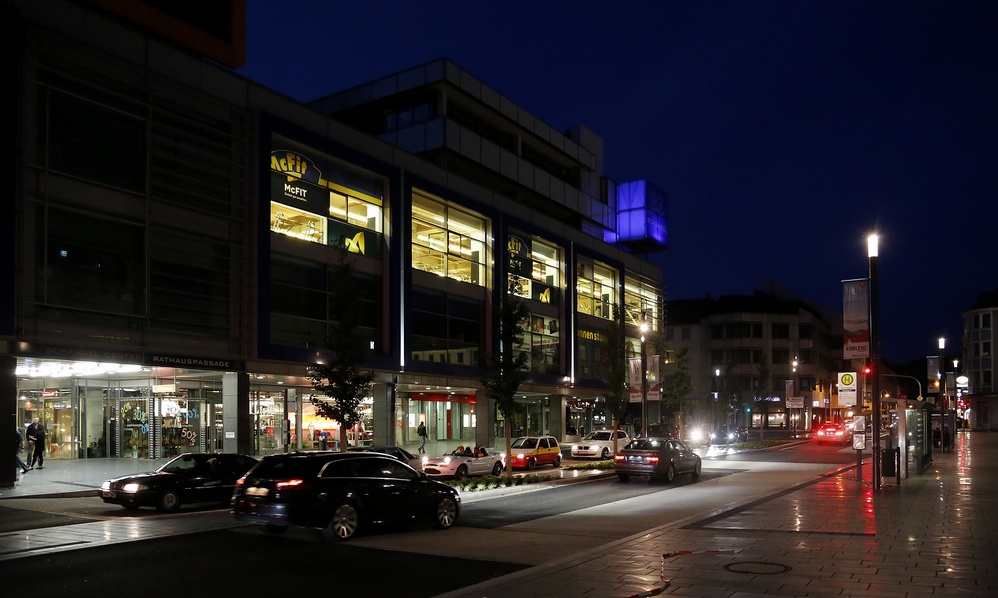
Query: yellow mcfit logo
(356, 244)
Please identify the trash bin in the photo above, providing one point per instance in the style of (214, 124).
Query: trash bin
(888, 466)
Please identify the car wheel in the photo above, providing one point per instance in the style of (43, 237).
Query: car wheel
(531, 463)
(623, 477)
(344, 523)
(461, 473)
(697, 469)
(497, 469)
(275, 530)
(168, 500)
(557, 462)
(446, 513)
(670, 474)
(605, 454)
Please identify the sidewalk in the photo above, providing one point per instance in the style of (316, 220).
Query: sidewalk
(931, 535)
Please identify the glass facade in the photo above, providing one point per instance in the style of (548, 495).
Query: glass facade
(448, 241)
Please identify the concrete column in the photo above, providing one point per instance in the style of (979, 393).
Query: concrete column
(8, 417)
(236, 419)
(385, 401)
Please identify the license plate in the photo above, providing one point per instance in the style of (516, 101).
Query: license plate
(107, 494)
(254, 491)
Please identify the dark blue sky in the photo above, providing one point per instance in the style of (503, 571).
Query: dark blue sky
(783, 131)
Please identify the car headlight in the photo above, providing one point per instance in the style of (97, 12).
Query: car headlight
(134, 487)
(446, 460)
(575, 447)
(426, 460)
(106, 485)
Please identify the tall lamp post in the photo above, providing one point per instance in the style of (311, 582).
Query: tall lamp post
(644, 375)
(942, 377)
(872, 252)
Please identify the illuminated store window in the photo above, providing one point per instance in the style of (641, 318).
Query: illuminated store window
(541, 339)
(534, 269)
(447, 241)
(641, 302)
(596, 288)
(316, 199)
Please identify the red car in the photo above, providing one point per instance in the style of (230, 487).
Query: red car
(833, 433)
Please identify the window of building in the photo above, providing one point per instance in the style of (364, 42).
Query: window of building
(447, 241)
(781, 356)
(408, 116)
(686, 333)
(541, 339)
(596, 288)
(670, 334)
(300, 303)
(94, 142)
(641, 301)
(91, 264)
(535, 268)
(317, 199)
(804, 330)
(446, 329)
(781, 330)
(986, 320)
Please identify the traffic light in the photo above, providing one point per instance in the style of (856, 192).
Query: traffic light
(867, 370)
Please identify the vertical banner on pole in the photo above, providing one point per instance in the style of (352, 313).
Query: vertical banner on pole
(634, 379)
(855, 319)
(654, 384)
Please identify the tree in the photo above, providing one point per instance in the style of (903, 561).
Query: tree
(618, 392)
(678, 384)
(506, 365)
(341, 383)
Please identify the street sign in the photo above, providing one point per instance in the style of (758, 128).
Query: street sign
(859, 441)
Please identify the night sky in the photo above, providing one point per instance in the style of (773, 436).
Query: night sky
(782, 131)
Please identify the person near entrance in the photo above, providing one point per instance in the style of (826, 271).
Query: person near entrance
(18, 447)
(421, 431)
(36, 436)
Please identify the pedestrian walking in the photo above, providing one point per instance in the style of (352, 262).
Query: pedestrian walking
(421, 431)
(18, 447)
(36, 435)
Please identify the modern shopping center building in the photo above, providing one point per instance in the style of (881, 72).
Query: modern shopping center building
(172, 227)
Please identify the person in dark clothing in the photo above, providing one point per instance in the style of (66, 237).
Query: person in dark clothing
(421, 431)
(36, 434)
(18, 447)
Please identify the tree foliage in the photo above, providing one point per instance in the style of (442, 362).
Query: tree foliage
(617, 393)
(341, 383)
(678, 384)
(507, 366)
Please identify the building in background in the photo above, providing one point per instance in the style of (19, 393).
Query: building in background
(749, 354)
(978, 401)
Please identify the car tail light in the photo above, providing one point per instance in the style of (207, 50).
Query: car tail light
(240, 482)
(619, 457)
(653, 459)
(292, 484)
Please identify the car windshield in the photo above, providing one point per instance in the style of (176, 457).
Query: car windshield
(601, 435)
(528, 443)
(181, 463)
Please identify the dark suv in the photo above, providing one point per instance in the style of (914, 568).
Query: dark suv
(340, 493)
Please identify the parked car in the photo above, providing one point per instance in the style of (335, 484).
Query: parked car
(461, 465)
(413, 461)
(340, 493)
(189, 478)
(833, 433)
(729, 434)
(599, 444)
(531, 451)
(661, 458)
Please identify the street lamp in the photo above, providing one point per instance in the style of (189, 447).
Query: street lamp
(942, 377)
(644, 374)
(872, 253)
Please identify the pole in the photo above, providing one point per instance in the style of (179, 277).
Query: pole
(874, 360)
(644, 388)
